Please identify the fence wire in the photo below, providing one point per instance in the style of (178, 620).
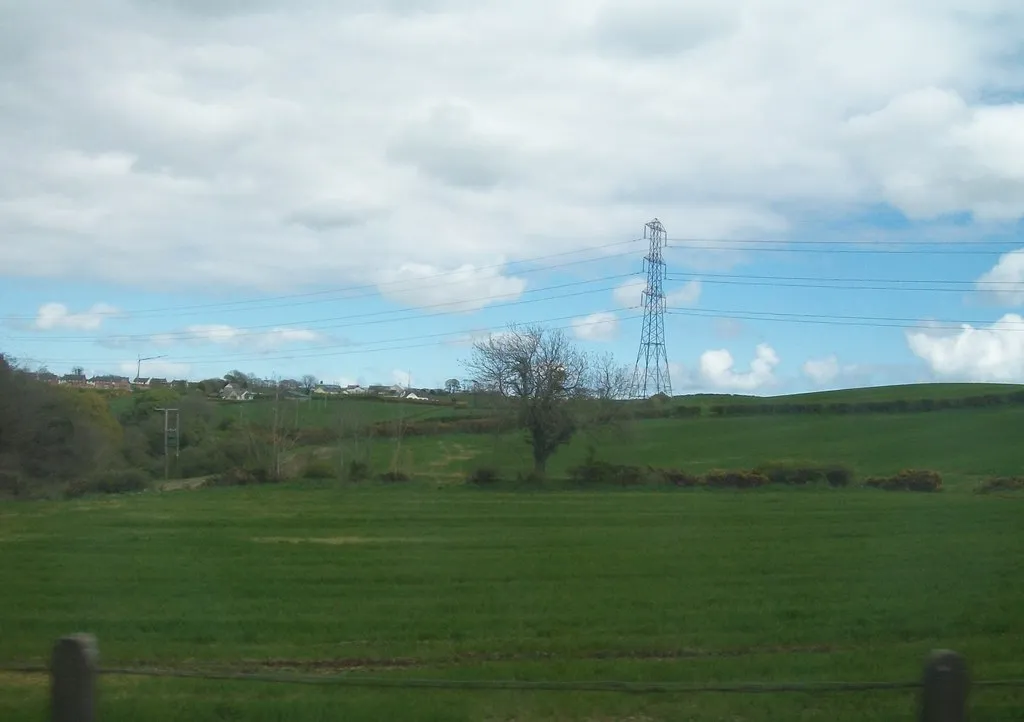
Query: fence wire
(612, 686)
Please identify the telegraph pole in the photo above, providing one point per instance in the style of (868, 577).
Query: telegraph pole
(172, 436)
(650, 375)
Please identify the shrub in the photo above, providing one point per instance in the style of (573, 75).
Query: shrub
(120, 481)
(242, 476)
(838, 476)
(678, 477)
(593, 472)
(13, 484)
(393, 476)
(484, 476)
(357, 470)
(1002, 483)
(319, 469)
(907, 480)
(801, 473)
(718, 479)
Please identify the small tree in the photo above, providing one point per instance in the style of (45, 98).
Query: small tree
(540, 373)
(452, 386)
(308, 383)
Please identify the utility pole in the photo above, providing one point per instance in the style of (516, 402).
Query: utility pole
(650, 375)
(172, 435)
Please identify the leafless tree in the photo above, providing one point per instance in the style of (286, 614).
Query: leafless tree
(540, 373)
(308, 383)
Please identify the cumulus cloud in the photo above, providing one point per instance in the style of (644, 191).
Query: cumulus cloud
(1004, 282)
(603, 326)
(461, 290)
(993, 354)
(57, 316)
(718, 371)
(822, 371)
(629, 294)
(292, 144)
(220, 334)
(932, 154)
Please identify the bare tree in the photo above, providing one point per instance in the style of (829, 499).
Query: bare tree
(540, 373)
(452, 386)
(603, 415)
(308, 383)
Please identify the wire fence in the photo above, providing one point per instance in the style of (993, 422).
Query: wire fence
(74, 670)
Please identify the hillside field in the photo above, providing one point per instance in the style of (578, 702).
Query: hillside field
(963, 445)
(416, 582)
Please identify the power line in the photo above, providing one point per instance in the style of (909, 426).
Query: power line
(412, 315)
(833, 320)
(827, 247)
(234, 358)
(373, 288)
(838, 287)
(825, 279)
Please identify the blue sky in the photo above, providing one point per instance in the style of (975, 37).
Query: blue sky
(255, 189)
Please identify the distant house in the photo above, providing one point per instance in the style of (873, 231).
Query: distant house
(328, 390)
(110, 382)
(233, 393)
(354, 390)
(47, 378)
(74, 380)
(411, 396)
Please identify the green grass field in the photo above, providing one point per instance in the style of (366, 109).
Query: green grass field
(435, 580)
(964, 445)
(417, 582)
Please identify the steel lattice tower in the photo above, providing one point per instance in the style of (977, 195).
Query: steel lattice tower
(650, 376)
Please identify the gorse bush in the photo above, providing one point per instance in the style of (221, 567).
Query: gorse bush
(907, 480)
(678, 477)
(719, 479)
(1002, 483)
(800, 473)
(599, 473)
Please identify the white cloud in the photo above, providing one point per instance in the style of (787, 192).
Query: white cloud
(717, 370)
(461, 290)
(156, 368)
(994, 354)
(53, 316)
(603, 326)
(225, 335)
(629, 293)
(822, 371)
(933, 154)
(1004, 282)
(686, 295)
(302, 143)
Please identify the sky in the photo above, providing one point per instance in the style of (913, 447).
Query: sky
(290, 187)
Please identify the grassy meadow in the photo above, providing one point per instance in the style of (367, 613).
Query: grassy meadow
(462, 584)
(433, 579)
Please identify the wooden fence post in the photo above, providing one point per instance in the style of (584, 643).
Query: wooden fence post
(946, 684)
(73, 679)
